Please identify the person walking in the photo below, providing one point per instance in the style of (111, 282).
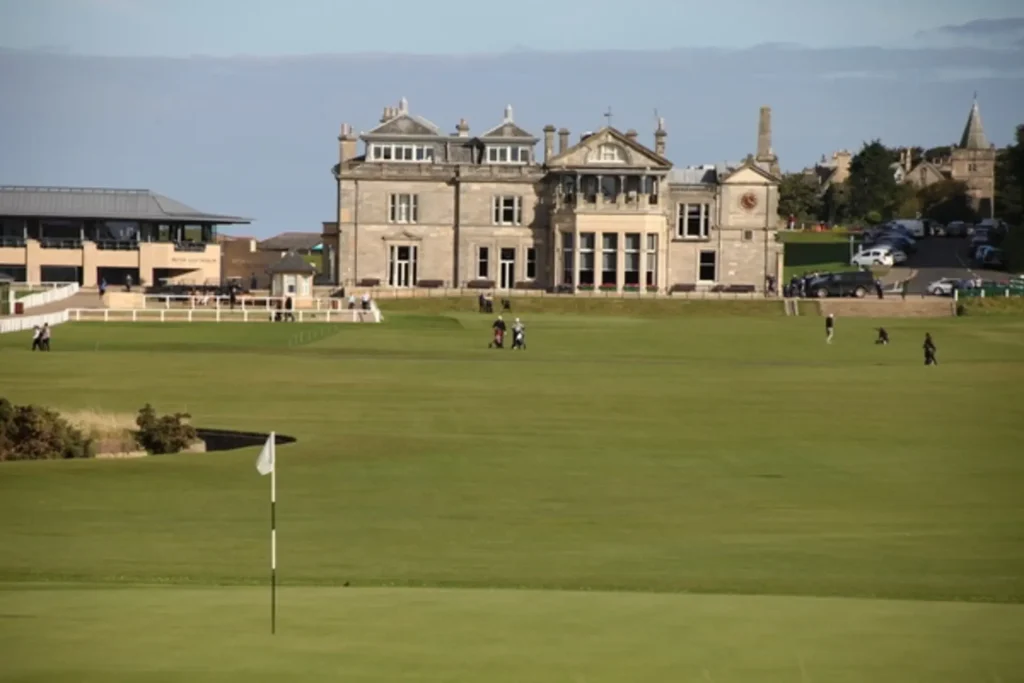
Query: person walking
(830, 327)
(929, 350)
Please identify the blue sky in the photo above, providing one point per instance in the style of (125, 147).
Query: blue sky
(280, 27)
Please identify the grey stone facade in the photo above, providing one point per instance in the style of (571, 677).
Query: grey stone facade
(418, 207)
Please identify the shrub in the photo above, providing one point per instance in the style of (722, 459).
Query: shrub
(35, 433)
(163, 434)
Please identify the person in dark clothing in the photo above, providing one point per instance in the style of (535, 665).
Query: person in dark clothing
(830, 328)
(929, 350)
(499, 334)
(289, 306)
(879, 290)
(883, 337)
(44, 337)
(482, 303)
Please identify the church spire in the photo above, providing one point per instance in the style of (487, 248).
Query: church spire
(974, 133)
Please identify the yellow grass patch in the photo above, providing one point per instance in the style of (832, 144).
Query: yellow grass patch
(113, 433)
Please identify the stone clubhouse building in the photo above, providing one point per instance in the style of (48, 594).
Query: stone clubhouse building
(418, 207)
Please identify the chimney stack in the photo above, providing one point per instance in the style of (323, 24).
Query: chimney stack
(563, 140)
(463, 128)
(549, 142)
(631, 135)
(659, 138)
(347, 144)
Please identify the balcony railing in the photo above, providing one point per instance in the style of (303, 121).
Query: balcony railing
(190, 246)
(117, 245)
(58, 243)
(10, 241)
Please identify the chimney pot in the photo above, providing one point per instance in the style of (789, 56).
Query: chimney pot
(549, 142)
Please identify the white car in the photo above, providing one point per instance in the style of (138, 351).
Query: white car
(943, 286)
(873, 257)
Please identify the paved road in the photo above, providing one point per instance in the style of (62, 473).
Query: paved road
(939, 257)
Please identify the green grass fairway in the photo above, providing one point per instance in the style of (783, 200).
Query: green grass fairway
(655, 498)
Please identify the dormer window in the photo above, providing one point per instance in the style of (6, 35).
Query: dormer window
(422, 154)
(610, 154)
(503, 154)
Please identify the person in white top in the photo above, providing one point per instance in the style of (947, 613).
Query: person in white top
(37, 338)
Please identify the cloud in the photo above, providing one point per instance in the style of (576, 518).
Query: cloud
(985, 27)
(993, 33)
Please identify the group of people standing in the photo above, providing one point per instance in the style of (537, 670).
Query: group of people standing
(41, 337)
(518, 335)
(883, 339)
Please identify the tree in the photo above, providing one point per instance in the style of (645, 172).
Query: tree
(873, 187)
(835, 205)
(798, 197)
(906, 202)
(1010, 181)
(946, 201)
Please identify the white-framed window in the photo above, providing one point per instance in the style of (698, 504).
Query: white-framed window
(507, 210)
(610, 154)
(403, 263)
(707, 267)
(609, 258)
(693, 221)
(588, 241)
(508, 154)
(631, 265)
(483, 263)
(531, 263)
(388, 151)
(403, 208)
(651, 279)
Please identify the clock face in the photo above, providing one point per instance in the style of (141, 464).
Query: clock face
(749, 201)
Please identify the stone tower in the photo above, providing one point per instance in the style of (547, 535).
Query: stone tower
(974, 164)
(765, 153)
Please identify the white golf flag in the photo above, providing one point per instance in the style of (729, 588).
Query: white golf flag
(265, 463)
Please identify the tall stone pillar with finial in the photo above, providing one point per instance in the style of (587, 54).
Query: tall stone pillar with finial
(659, 138)
(765, 154)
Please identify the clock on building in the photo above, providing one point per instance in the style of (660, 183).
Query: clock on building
(748, 201)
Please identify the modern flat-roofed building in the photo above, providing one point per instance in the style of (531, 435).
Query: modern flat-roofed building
(420, 207)
(87, 235)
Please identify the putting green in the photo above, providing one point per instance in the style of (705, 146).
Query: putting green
(704, 498)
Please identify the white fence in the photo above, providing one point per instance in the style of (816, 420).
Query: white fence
(59, 292)
(221, 315)
(27, 322)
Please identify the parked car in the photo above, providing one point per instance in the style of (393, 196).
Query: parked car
(956, 229)
(854, 283)
(896, 241)
(979, 238)
(993, 258)
(944, 286)
(873, 256)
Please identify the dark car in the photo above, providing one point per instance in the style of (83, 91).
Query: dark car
(854, 283)
(906, 244)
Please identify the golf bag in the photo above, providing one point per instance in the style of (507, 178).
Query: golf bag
(499, 339)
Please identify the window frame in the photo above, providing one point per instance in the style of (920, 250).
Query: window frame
(396, 152)
(483, 262)
(530, 264)
(507, 155)
(499, 208)
(395, 205)
(701, 266)
(683, 219)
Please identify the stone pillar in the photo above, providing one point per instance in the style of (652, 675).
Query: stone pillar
(620, 261)
(641, 196)
(642, 274)
(620, 197)
(563, 140)
(599, 196)
(549, 142)
(659, 138)
(575, 258)
(764, 133)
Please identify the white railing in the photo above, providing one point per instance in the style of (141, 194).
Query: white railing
(65, 291)
(245, 302)
(219, 315)
(27, 322)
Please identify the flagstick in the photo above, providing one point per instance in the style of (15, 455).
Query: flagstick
(273, 534)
